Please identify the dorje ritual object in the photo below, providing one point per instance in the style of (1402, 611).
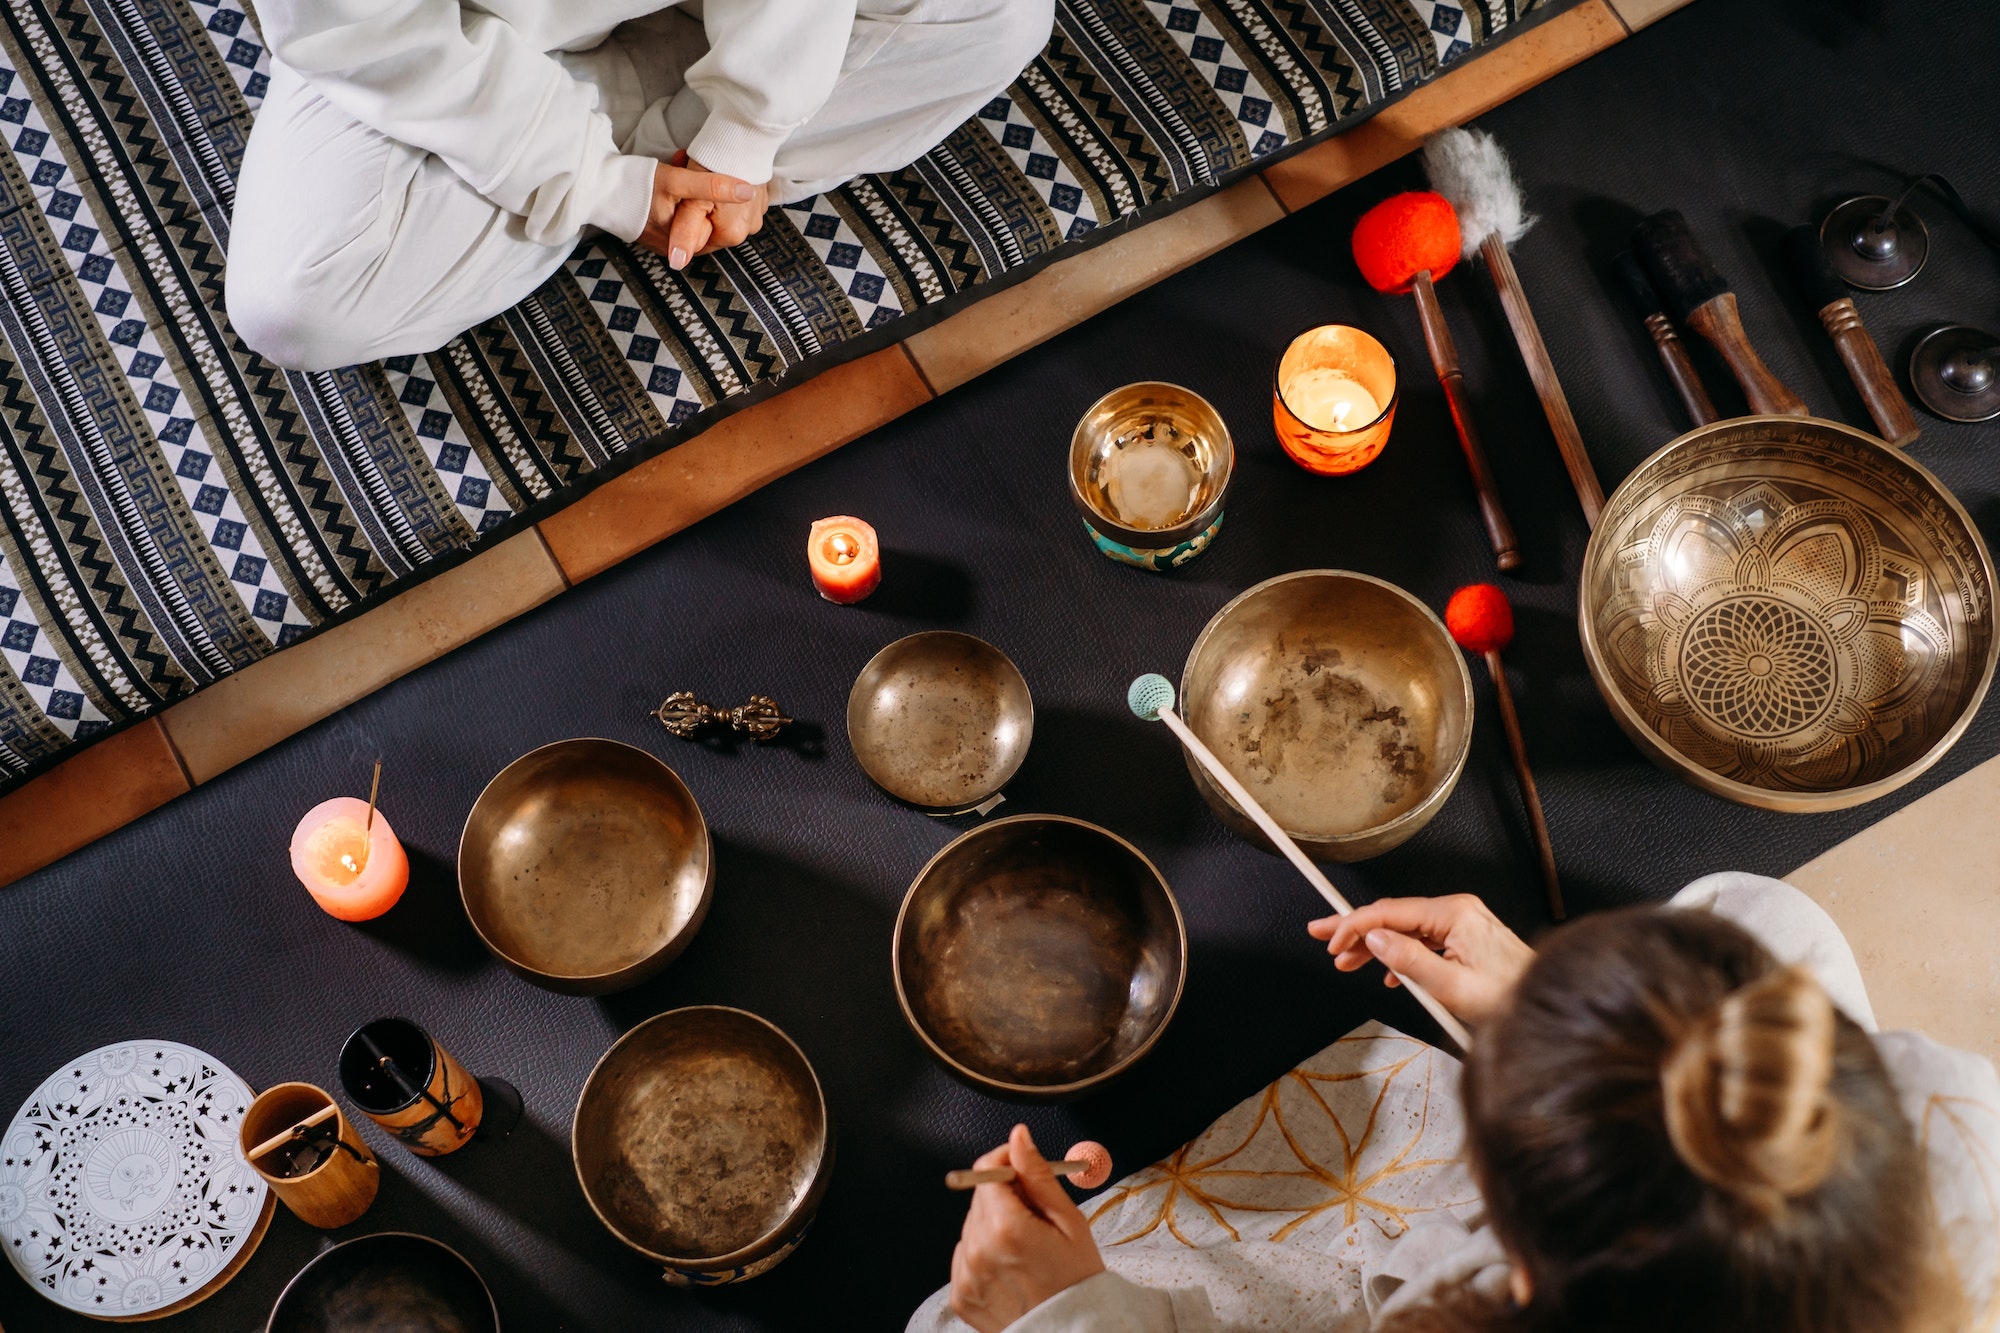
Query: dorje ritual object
(1152, 698)
(390, 1282)
(406, 1082)
(1955, 371)
(1087, 1164)
(1788, 613)
(1482, 621)
(702, 1141)
(684, 716)
(1827, 295)
(122, 1193)
(297, 1138)
(1333, 399)
(1039, 957)
(586, 866)
(941, 720)
(845, 559)
(1149, 470)
(1469, 168)
(1341, 700)
(1645, 299)
(1700, 298)
(349, 858)
(1404, 244)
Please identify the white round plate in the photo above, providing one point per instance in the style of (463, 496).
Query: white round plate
(122, 1190)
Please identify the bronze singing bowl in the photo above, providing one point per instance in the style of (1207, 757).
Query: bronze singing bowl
(1339, 701)
(586, 866)
(1788, 613)
(1137, 415)
(390, 1282)
(1039, 957)
(940, 720)
(702, 1141)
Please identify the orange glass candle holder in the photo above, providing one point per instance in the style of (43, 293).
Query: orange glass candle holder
(1333, 398)
(355, 870)
(845, 557)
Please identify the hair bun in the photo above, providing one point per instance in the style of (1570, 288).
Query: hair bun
(1746, 1091)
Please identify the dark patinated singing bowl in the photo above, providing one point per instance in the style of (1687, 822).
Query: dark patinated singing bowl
(586, 866)
(1788, 613)
(941, 720)
(1039, 957)
(1339, 701)
(702, 1141)
(391, 1282)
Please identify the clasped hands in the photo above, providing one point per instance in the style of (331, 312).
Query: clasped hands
(696, 211)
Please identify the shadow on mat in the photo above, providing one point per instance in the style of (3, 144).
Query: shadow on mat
(429, 922)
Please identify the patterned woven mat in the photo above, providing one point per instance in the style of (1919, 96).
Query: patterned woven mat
(173, 507)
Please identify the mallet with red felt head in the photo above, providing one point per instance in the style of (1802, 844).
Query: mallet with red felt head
(1403, 244)
(1482, 622)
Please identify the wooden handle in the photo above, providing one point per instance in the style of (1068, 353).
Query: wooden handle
(1314, 875)
(1444, 359)
(277, 1141)
(1717, 320)
(1542, 370)
(1544, 850)
(1680, 369)
(1000, 1175)
(1869, 372)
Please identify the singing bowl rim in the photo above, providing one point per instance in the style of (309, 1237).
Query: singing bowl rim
(1153, 539)
(623, 978)
(278, 1306)
(854, 702)
(1038, 1092)
(1364, 843)
(795, 1219)
(1655, 747)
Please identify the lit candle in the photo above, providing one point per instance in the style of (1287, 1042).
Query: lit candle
(1334, 399)
(1327, 399)
(845, 558)
(355, 870)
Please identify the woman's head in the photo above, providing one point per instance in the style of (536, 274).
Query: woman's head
(1674, 1132)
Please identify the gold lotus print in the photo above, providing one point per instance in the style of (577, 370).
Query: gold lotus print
(1773, 641)
(1367, 1131)
(1966, 1132)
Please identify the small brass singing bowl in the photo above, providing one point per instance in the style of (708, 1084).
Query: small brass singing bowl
(702, 1141)
(586, 866)
(1339, 701)
(1788, 613)
(1039, 957)
(390, 1282)
(940, 720)
(1149, 470)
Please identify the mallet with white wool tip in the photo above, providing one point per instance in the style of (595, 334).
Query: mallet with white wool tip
(1152, 698)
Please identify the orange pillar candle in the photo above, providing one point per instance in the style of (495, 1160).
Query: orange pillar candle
(354, 870)
(846, 560)
(1334, 399)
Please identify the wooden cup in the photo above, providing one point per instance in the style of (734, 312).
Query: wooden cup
(333, 1192)
(424, 1097)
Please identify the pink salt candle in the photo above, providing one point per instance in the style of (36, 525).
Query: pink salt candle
(353, 870)
(845, 558)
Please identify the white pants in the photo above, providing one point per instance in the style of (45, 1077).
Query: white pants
(348, 246)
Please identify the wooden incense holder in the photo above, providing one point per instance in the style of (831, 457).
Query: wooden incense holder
(1444, 359)
(1697, 292)
(1542, 370)
(332, 1192)
(1545, 851)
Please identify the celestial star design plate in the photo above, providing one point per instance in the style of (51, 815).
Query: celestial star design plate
(122, 1191)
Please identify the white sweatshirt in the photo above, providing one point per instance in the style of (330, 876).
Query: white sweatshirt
(477, 85)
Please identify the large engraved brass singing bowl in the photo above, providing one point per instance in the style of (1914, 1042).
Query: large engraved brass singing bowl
(1339, 701)
(1039, 957)
(586, 866)
(702, 1141)
(1789, 613)
(940, 720)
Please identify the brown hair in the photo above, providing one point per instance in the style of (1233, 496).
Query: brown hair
(1673, 1132)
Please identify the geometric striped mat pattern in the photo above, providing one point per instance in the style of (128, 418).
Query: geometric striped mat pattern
(173, 507)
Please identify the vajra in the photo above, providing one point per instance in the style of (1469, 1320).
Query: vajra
(685, 716)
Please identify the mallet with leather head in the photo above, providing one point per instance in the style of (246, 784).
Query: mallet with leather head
(1699, 297)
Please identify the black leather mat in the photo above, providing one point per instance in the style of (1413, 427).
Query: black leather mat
(1746, 114)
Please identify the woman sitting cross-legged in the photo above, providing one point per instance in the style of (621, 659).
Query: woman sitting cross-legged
(1677, 1118)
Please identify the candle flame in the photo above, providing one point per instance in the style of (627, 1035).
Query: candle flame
(349, 863)
(843, 549)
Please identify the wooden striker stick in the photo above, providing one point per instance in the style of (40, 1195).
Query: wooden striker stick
(1283, 842)
(1545, 851)
(279, 1140)
(1444, 360)
(1555, 405)
(1000, 1175)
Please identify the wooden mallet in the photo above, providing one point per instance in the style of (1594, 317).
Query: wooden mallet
(1481, 621)
(1404, 244)
(1700, 298)
(1087, 1164)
